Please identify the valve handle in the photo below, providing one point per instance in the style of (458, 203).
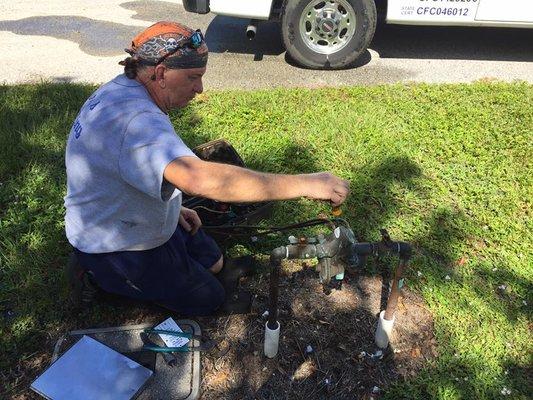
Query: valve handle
(384, 235)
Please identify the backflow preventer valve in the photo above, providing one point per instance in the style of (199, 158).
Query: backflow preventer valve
(334, 253)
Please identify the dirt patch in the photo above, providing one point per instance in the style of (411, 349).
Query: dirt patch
(326, 348)
(327, 345)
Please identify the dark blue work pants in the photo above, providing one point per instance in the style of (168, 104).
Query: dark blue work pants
(175, 275)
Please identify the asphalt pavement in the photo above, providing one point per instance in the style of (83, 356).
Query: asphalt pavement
(82, 41)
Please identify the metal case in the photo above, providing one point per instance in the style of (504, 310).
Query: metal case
(240, 214)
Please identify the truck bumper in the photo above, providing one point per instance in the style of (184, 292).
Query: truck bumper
(196, 6)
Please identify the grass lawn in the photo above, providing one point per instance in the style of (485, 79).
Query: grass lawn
(446, 167)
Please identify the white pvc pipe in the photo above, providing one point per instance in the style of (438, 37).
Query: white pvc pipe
(271, 341)
(384, 330)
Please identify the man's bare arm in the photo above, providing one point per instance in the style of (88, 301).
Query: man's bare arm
(224, 182)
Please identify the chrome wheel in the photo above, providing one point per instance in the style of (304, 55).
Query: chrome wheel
(327, 26)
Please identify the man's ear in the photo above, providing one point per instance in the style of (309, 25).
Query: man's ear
(159, 73)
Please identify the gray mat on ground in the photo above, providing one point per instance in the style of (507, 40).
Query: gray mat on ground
(180, 382)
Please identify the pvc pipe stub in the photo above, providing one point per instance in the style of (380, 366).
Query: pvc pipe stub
(271, 343)
(384, 330)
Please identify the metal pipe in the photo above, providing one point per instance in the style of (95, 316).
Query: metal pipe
(251, 29)
(392, 302)
(276, 256)
(272, 326)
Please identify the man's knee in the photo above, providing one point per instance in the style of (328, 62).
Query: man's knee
(213, 297)
(204, 300)
(219, 296)
(217, 266)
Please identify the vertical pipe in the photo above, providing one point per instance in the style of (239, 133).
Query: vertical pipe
(274, 291)
(395, 291)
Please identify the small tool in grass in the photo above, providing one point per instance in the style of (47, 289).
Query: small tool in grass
(148, 344)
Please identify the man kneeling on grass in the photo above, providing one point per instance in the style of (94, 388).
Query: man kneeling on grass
(127, 169)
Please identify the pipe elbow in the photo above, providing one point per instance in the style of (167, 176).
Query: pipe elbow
(406, 251)
(278, 254)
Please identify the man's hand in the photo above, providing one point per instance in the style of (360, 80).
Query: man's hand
(326, 186)
(189, 220)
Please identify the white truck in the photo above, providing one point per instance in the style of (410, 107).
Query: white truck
(332, 34)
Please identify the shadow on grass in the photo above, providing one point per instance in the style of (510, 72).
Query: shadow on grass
(36, 132)
(373, 201)
(33, 250)
(456, 373)
(35, 123)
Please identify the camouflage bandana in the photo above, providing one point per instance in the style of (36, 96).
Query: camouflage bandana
(176, 45)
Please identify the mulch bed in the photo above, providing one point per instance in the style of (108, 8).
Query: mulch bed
(326, 347)
(326, 350)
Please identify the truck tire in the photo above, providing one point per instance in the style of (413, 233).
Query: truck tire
(327, 34)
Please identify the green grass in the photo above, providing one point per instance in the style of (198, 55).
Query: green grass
(445, 167)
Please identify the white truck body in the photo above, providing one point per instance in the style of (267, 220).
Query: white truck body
(253, 9)
(511, 13)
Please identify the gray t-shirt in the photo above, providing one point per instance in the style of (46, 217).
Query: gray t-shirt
(117, 198)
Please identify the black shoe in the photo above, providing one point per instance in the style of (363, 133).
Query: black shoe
(83, 289)
(238, 302)
(233, 270)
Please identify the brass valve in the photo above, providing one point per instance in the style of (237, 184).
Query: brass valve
(336, 211)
